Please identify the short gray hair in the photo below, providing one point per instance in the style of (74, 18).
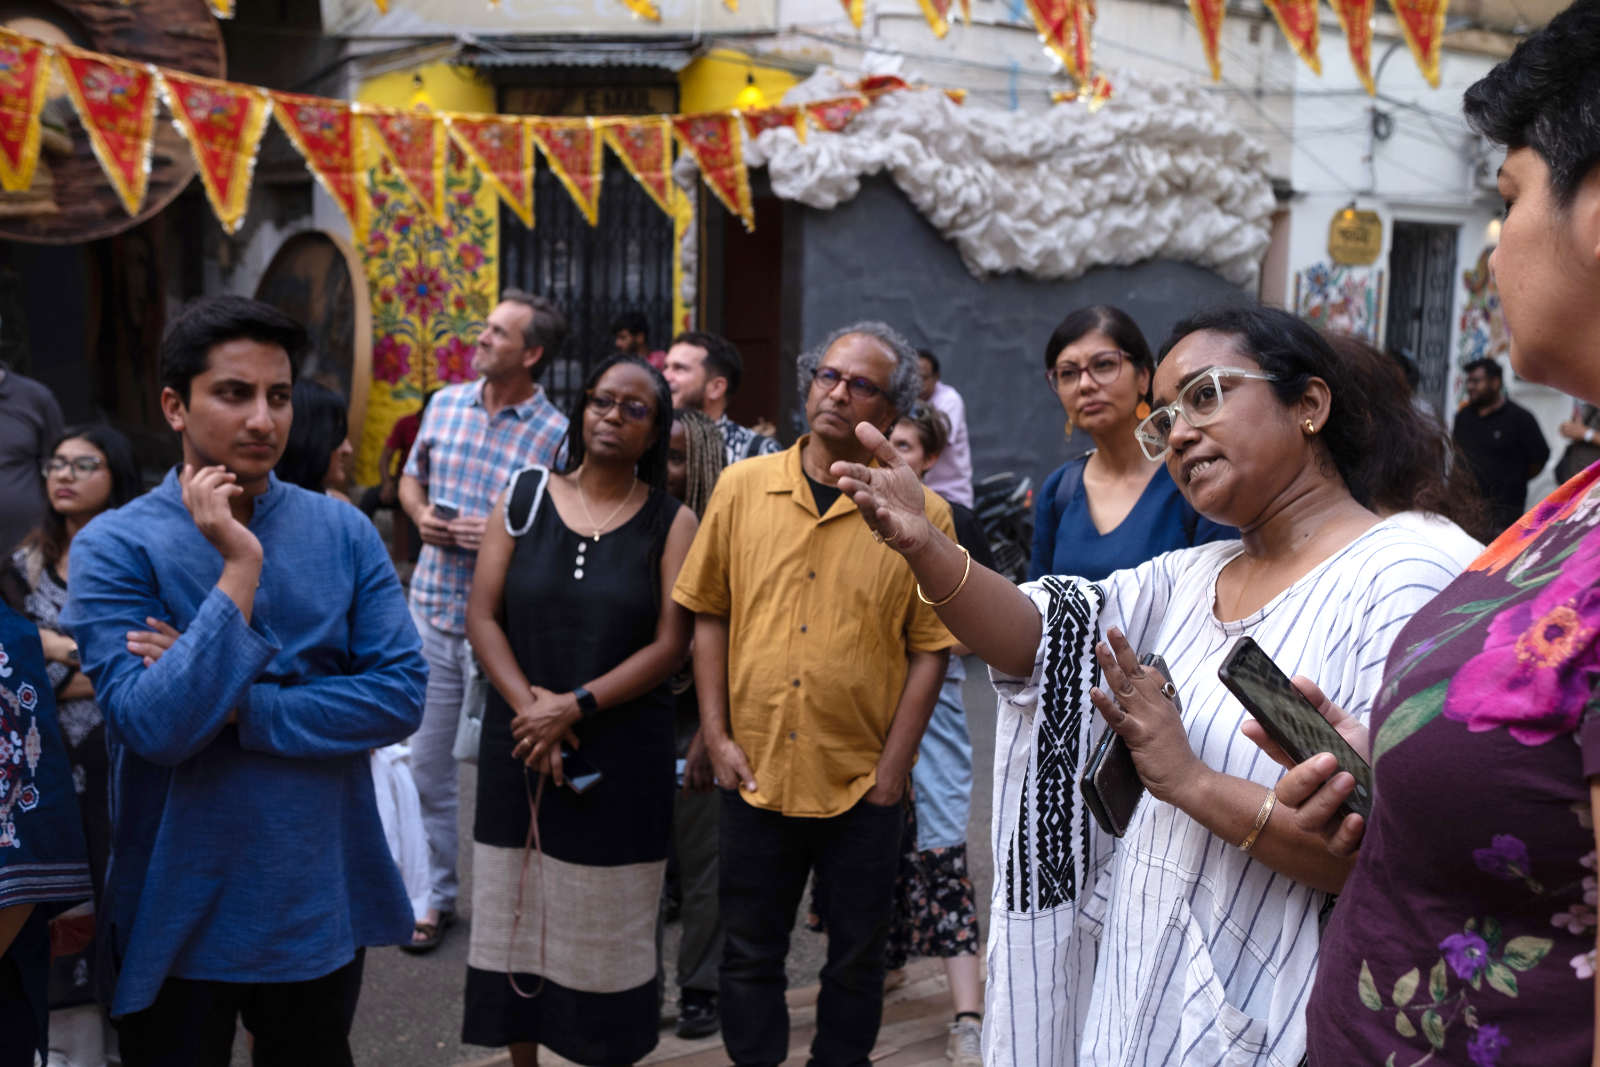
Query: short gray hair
(547, 326)
(905, 384)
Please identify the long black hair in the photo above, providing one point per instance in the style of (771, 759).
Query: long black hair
(50, 536)
(652, 466)
(320, 426)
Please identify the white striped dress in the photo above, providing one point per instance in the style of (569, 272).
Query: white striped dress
(1169, 946)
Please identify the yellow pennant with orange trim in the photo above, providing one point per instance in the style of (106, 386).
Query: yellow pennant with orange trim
(223, 124)
(856, 9)
(645, 9)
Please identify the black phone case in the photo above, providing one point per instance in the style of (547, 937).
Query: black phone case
(1110, 784)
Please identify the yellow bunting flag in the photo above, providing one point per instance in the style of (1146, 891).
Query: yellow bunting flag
(117, 102)
(323, 131)
(716, 141)
(759, 120)
(1356, 18)
(1208, 15)
(502, 149)
(856, 9)
(572, 148)
(731, 5)
(24, 79)
(957, 96)
(645, 9)
(645, 147)
(223, 9)
(835, 115)
(415, 142)
(1298, 21)
(1422, 21)
(223, 124)
(937, 12)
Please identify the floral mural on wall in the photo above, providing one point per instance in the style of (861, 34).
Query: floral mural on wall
(1483, 325)
(1340, 299)
(431, 288)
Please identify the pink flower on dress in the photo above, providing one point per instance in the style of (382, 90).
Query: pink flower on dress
(1582, 965)
(1529, 678)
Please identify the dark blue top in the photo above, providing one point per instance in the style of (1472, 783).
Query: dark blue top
(1065, 541)
(249, 852)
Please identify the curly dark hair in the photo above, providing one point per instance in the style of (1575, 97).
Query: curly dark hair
(652, 466)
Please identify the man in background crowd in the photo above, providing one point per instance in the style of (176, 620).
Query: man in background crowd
(951, 476)
(30, 419)
(473, 437)
(630, 333)
(1502, 443)
(703, 372)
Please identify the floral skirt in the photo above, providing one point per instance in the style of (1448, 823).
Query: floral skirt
(934, 913)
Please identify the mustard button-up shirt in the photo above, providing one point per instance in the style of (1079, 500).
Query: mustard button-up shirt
(820, 618)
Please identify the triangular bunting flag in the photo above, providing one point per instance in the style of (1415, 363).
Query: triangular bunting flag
(937, 12)
(223, 124)
(415, 143)
(223, 9)
(645, 9)
(1208, 16)
(1099, 92)
(117, 102)
(957, 96)
(1298, 21)
(502, 150)
(1422, 21)
(760, 120)
(856, 9)
(731, 5)
(572, 148)
(716, 141)
(875, 85)
(1058, 23)
(835, 115)
(323, 131)
(645, 147)
(24, 80)
(1356, 18)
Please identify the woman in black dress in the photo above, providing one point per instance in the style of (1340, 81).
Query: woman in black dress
(572, 617)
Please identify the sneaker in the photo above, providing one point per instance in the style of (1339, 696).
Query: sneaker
(697, 1014)
(965, 1048)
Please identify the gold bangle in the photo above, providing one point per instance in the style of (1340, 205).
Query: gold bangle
(965, 574)
(1261, 821)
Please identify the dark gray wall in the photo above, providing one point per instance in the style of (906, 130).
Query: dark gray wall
(876, 257)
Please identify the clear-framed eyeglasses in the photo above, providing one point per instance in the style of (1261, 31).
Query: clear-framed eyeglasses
(1199, 402)
(1104, 367)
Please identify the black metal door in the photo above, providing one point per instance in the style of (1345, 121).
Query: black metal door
(1422, 273)
(593, 272)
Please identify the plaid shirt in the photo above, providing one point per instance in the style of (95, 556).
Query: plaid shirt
(466, 456)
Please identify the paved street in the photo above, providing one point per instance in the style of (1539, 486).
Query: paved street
(410, 1013)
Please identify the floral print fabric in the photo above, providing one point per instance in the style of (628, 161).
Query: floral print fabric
(1466, 933)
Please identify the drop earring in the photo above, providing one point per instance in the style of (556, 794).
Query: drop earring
(1069, 425)
(1142, 412)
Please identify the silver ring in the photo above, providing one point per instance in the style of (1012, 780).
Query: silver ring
(1169, 690)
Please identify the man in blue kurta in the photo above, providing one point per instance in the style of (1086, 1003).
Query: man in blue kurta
(249, 867)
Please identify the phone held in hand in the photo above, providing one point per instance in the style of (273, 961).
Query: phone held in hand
(581, 775)
(1289, 718)
(1110, 784)
(444, 509)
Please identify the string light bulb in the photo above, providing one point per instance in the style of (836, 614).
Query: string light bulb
(750, 97)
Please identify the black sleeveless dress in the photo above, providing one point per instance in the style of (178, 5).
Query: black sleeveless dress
(583, 954)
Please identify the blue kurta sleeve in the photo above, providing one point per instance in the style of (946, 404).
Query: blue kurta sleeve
(378, 702)
(168, 712)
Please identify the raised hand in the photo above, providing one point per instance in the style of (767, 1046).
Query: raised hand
(1315, 789)
(889, 496)
(208, 495)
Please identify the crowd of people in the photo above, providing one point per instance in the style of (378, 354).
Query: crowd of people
(663, 637)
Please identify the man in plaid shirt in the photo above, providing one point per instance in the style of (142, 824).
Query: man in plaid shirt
(474, 436)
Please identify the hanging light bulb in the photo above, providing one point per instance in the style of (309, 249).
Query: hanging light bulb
(750, 97)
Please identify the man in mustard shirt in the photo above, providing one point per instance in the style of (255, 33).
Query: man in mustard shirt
(817, 666)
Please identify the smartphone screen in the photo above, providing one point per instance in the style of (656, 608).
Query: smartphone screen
(581, 775)
(1289, 719)
(445, 510)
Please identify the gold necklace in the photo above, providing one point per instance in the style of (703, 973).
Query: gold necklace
(599, 528)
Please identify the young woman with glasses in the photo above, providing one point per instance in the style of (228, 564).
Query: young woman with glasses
(1192, 938)
(571, 616)
(1113, 506)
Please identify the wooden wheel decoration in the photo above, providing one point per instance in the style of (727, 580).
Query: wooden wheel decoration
(71, 200)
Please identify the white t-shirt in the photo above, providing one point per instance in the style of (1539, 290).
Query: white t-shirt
(1178, 948)
(1456, 542)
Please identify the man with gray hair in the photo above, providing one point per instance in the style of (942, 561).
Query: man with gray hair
(473, 437)
(818, 664)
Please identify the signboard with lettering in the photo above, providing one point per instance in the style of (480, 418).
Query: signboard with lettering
(1355, 238)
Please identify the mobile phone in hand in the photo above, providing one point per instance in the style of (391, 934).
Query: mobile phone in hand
(1290, 719)
(444, 509)
(1110, 784)
(581, 775)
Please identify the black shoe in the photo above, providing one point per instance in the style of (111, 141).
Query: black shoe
(697, 1014)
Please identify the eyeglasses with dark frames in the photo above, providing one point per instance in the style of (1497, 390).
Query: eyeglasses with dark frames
(632, 410)
(860, 388)
(80, 466)
(1104, 367)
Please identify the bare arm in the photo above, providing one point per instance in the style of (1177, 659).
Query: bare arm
(924, 676)
(990, 616)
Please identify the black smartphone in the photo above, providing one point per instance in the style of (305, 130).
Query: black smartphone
(1290, 720)
(581, 775)
(1110, 784)
(444, 509)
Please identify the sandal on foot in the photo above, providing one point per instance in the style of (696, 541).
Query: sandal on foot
(432, 934)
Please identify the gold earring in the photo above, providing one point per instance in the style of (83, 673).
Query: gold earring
(1069, 425)
(1142, 412)
(1311, 428)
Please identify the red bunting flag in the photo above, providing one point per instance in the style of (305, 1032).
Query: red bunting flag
(1065, 27)
(835, 115)
(1422, 21)
(1208, 15)
(117, 102)
(759, 120)
(875, 85)
(502, 150)
(572, 148)
(1299, 22)
(716, 141)
(24, 79)
(1356, 18)
(856, 9)
(645, 147)
(223, 124)
(415, 142)
(1099, 92)
(323, 131)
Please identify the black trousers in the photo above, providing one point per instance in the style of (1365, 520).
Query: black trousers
(766, 858)
(292, 1024)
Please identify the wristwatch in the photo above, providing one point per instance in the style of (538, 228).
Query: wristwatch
(587, 704)
(72, 657)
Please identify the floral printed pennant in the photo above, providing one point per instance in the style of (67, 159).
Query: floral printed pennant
(572, 148)
(24, 79)
(223, 124)
(323, 131)
(502, 150)
(716, 141)
(117, 102)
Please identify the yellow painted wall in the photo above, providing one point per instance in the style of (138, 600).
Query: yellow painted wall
(445, 88)
(712, 82)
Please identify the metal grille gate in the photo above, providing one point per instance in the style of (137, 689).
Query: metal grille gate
(594, 273)
(1422, 269)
